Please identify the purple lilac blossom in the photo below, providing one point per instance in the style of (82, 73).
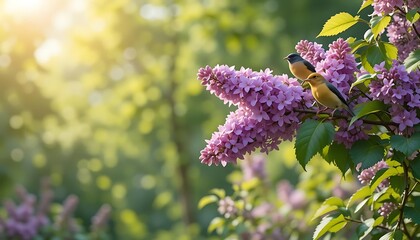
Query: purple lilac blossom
(23, 222)
(400, 32)
(311, 51)
(254, 167)
(399, 89)
(384, 7)
(366, 176)
(265, 114)
(227, 207)
(339, 65)
(387, 208)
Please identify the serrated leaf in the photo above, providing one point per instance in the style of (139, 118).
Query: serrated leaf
(311, 138)
(362, 193)
(219, 192)
(215, 224)
(368, 152)
(329, 205)
(383, 174)
(365, 4)
(362, 79)
(367, 108)
(339, 154)
(412, 62)
(379, 23)
(204, 201)
(337, 24)
(406, 145)
(389, 52)
(327, 223)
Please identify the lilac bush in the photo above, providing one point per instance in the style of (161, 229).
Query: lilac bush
(30, 219)
(379, 75)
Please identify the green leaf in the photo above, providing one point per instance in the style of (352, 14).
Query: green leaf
(367, 108)
(329, 205)
(215, 224)
(368, 36)
(412, 62)
(218, 192)
(383, 174)
(358, 44)
(370, 57)
(379, 23)
(337, 24)
(387, 236)
(365, 4)
(311, 138)
(361, 205)
(204, 201)
(368, 152)
(406, 145)
(413, 15)
(389, 52)
(362, 79)
(329, 224)
(413, 212)
(362, 193)
(415, 166)
(340, 155)
(250, 184)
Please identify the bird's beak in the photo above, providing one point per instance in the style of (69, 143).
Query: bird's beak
(285, 58)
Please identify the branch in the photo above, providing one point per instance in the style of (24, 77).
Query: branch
(381, 123)
(360, 222)
(404, 201)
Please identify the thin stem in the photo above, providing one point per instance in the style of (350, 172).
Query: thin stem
(360, 222)
(401, 223)
(381, 123)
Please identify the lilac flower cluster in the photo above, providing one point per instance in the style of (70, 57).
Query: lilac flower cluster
(27, 220)
(384, 7)
(227, 207)
(400, 32)
(366, 176)
(24, 220)
(265, 114)
(387, 208)
(311, 51)
(254, 167)
(401, 90)
(338, 65)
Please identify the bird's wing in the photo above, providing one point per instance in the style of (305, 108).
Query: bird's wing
(309, 66)
(336, 92)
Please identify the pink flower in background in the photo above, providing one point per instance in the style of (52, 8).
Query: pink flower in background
(384, 7)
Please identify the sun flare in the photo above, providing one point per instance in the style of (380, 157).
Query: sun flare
(23, 6)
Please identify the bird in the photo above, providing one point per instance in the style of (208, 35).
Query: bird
(326, 94)
(299, 67)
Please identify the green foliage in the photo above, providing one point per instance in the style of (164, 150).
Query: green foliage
(406, 145)
(337, 24)
(367, 152)
(413, 60)
(332, 223)
(311, 138)
(366, 108)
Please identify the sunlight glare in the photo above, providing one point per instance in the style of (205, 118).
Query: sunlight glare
(23, 6)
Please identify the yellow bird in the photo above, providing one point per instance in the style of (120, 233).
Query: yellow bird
(299, 67)
(326, 94)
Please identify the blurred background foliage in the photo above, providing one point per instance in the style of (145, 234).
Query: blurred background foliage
(102, 98)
